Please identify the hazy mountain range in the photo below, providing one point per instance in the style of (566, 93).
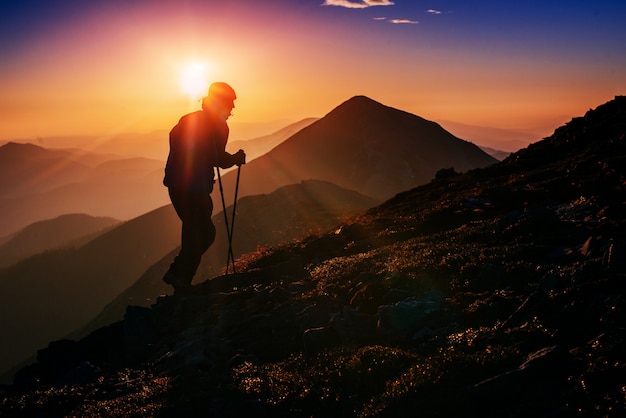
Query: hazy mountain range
(72, 230)
(53, 293)
(118, 176)
(111, 177)
(39, 184)
(151, 145)
(497, 139)
(358, 154)
(154, 145)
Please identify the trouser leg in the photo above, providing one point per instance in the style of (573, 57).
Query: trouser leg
(198, 231)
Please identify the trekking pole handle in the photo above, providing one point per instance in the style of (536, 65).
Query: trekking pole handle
(243, 154)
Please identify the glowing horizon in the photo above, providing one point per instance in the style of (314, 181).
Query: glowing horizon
(119, 68)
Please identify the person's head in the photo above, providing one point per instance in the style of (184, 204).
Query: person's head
(220, 99)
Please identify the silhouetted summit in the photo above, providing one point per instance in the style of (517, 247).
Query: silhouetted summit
(358, 108)
(17, 150)
(364, 146)
(499, 292)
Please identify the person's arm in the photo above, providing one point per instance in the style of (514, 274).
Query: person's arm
(227, 160)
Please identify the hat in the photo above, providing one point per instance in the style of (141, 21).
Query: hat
(222, 91)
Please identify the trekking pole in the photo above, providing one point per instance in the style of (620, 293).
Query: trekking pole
(228, 234)
(232, 221)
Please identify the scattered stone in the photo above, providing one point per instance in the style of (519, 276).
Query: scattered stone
(404, 316)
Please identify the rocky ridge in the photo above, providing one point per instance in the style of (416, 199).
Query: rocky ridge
(498, 292)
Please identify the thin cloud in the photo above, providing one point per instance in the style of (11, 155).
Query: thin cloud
(434, 12)
(350, 4)
(397, 21)
(404, 21)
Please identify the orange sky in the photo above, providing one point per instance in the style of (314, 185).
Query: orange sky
(116, 67)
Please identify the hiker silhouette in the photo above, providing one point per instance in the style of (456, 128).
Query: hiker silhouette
(197, 145)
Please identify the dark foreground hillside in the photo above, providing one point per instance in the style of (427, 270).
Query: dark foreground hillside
(496, 293)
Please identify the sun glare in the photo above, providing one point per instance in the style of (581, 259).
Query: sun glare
(194, 80)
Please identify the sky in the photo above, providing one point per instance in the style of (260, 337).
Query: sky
(101, 67)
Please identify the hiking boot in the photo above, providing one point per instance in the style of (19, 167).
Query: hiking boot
(178, 284)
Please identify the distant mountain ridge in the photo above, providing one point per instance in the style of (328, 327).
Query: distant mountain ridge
(361, 145)
(495, 153)
(52, 234)
(506, 140)
(365, 146)
(53, 293)
(152, 145)
(37, 184)
(28, 168)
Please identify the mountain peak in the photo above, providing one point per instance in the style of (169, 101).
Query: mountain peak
(18, 148)
(360, 99)
(359, 104)
(365, 146)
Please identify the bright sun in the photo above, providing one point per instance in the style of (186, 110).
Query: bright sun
(194, 79)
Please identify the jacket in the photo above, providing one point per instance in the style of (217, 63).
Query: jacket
(197, 145)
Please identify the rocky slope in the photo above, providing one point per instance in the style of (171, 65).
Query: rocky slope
(288, 213)
(498, 292)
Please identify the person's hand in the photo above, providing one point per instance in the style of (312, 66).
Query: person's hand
(240, 157)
